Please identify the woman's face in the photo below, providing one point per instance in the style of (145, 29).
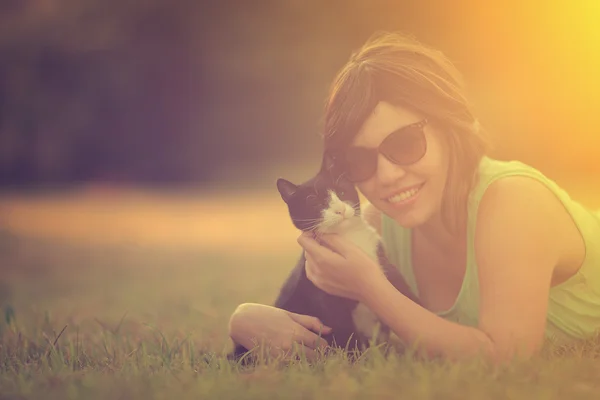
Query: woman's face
(411, 194)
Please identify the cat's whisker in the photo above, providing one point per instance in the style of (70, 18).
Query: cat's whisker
(314, 224)
(318, 235)
(326, 224)
(313, 227)
(356, 206)
(309, 220)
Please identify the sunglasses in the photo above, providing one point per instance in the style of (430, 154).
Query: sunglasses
(404, 146)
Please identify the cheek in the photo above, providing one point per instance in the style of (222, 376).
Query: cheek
(436, 158)
(369, 190)
(434, 164)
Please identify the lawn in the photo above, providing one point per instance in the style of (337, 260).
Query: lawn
(110, 293)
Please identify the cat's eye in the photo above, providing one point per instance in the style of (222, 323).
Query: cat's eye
(313, 200)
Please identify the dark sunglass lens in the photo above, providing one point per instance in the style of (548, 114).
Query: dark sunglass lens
(360, 163)
(405, 146)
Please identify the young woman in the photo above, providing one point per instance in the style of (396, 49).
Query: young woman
(499, 255)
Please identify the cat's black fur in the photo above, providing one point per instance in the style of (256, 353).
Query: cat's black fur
(298, 294)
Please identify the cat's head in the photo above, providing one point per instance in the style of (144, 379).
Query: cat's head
(323, 203)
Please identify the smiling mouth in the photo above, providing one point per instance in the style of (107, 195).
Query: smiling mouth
(404, 195)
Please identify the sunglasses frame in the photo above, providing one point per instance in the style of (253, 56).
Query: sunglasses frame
(340, 157)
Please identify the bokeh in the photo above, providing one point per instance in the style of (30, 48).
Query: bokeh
(159, 91)
(145, 108)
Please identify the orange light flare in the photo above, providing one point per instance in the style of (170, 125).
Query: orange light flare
(540, 71)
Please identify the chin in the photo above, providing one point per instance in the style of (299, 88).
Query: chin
(410, 218)
(344, 225)
(407, 222)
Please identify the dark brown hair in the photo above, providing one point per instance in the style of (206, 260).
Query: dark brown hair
(396, 68)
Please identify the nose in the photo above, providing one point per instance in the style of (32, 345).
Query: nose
(341, 209)
(347, 211)
(387, 171)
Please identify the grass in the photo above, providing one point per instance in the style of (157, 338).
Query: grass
(127, 295)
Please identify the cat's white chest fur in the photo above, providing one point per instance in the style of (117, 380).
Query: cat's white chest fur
(340, 218)
(365, 237)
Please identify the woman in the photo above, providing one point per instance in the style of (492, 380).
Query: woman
(499, 255)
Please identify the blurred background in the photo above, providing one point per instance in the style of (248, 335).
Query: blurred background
(188, 96)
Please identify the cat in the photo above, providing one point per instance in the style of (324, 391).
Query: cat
(329, 203)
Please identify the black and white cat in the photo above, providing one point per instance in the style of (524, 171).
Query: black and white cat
(324, 206)
(328, 203)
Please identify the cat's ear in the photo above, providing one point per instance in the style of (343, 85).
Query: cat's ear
(286, 189)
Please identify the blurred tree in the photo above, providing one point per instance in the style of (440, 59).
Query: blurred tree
(163, 91)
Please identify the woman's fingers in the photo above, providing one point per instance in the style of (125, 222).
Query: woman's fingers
(310, 353)
(311, 246)
(297, 351)
(309, 322)
(309, 265)
(308, 243)
(335, 243)
(309, 339)
(312, 333)
(281, 330)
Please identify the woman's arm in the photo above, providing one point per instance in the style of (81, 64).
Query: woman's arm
(252, 323)
(517, 248)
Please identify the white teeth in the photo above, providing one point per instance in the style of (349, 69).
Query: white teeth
(403, 195)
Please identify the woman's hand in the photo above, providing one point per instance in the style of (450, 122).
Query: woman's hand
(251, 324)
(339, 267)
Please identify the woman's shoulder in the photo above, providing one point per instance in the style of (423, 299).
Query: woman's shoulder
(512, 177)
(492, 168)
(523, 205)
(516, 191)
(512, 195)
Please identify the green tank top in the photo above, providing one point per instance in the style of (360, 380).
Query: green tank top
(574, 305)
